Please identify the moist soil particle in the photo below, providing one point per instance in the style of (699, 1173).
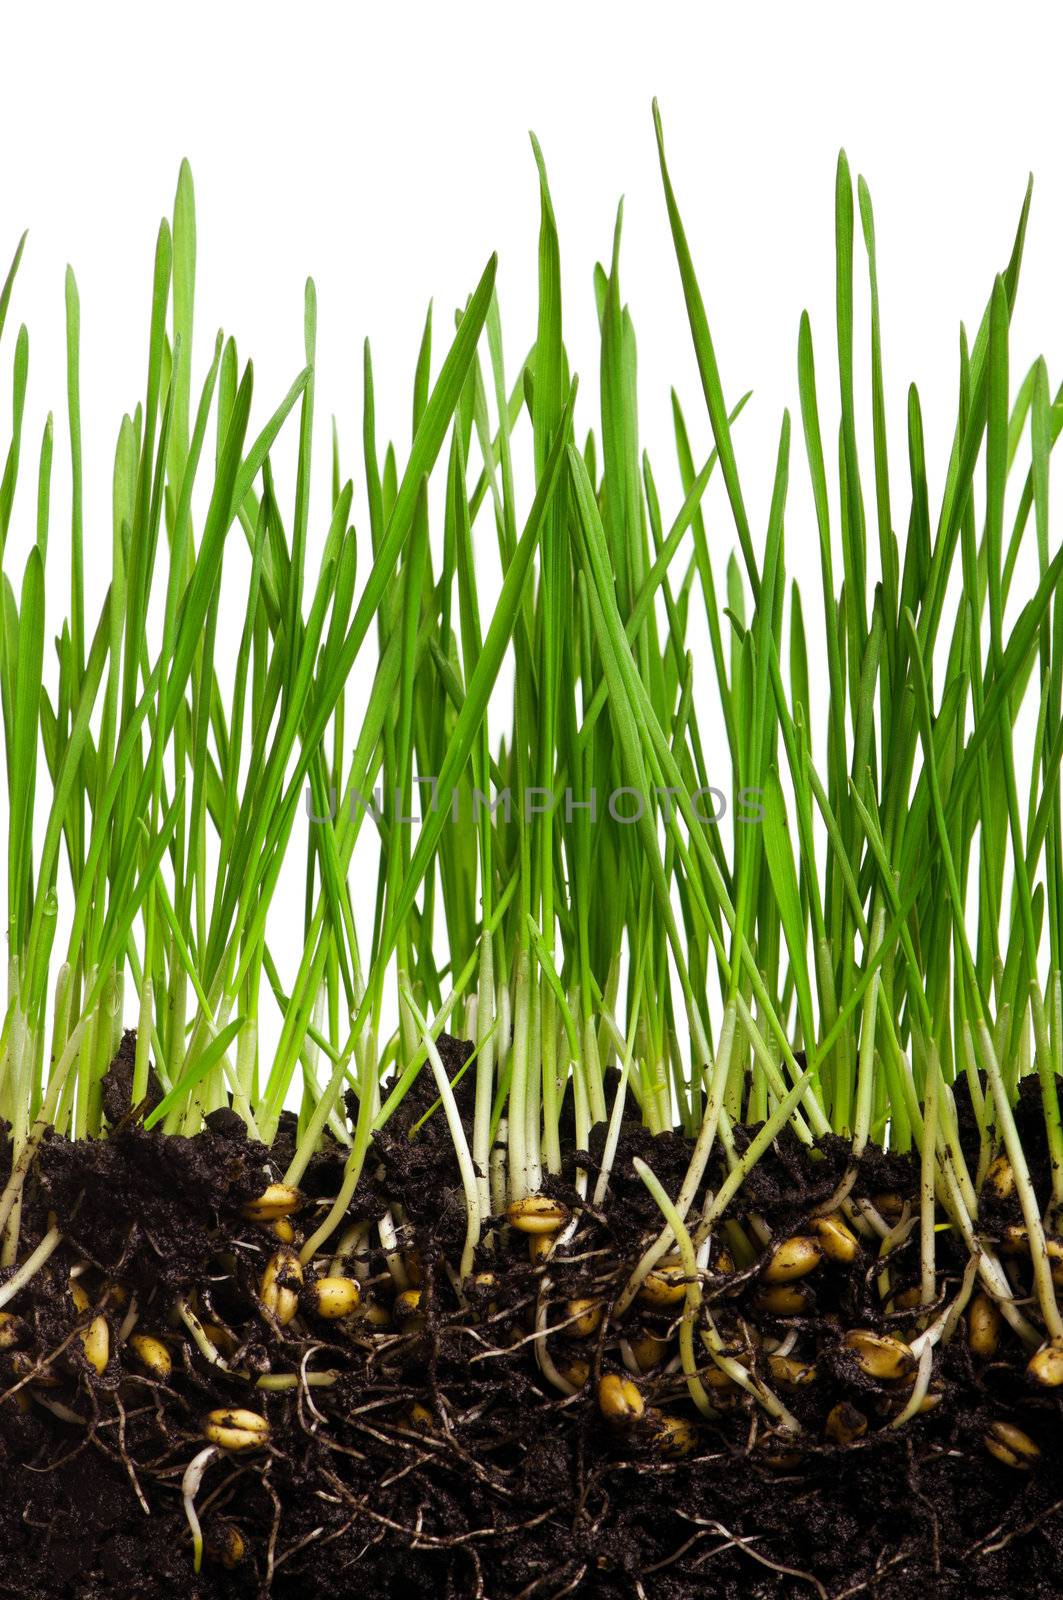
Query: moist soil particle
(440, 1462)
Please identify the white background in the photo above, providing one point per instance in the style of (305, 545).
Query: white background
(384, 150)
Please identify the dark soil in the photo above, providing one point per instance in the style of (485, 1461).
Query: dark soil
(442, 1463)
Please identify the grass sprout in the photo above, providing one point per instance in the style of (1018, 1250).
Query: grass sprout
(873, 931)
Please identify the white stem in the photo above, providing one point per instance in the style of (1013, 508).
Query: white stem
(927, 1172)
(865, 1078)
(1031, 1211)
(457, 1134)
(518, 1090)
(698, 1161)
(498, 1170)
(130, 1320)
(33, 1263)
(612, 1137)
(350, 1239)
(919, 1388)
(709, 1333)
(392, 1254)
(485, 1073)
(989, 1268)
(533, 1094)
(203, 1344)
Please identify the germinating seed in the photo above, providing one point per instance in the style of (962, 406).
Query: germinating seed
(1045, 1366)
(879, 1355)
(277, 1200)
(619, 1400)
(663, 1287)
(983, 1326)
(783, 1299)
(152, 1355)
(648, 1351)
(714, 1377)
(585, 1317)
(24, 1366)
(845, 1424)
(331, 1298)
(13, 1330)
(375, 1315)
(278, 1296)
(790, 1373)
(1000, 1179)
(674, 1437)
(222, 1340)
(236, 1429)
(96, 1343)
(407, 1305)
(226, 1546)
(1054, 1252)
(794, 1258)
(1011, 1446)
(836, 1239)
(537, 1213)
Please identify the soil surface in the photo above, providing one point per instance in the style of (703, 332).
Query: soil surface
(439, 1461)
